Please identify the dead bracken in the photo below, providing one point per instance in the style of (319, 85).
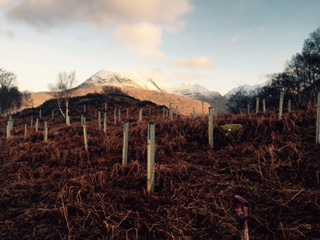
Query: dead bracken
(57, 190)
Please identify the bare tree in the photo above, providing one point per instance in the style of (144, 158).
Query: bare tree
(10, 96)
(63, 89)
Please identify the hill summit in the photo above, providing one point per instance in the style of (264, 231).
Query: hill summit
(110, 77)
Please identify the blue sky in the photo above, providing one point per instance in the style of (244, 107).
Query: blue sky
(220, 44)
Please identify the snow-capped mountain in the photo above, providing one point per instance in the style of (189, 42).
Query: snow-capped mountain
(247, 88)
(109, 77)
(194, 91)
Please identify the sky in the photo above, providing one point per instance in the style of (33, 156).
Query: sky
(219, 44)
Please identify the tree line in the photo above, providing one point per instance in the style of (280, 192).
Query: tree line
(11, 99)
(300, 81)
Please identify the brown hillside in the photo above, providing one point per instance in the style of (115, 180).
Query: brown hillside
(58, 190)
(185, 105)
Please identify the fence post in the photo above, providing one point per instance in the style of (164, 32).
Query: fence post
(318, 119)
(281, 104)
(210, 133)
(171, 111)
(105, 122)
(31, 122)
(85, 137)
(40, 113)
(264, 105)
(125, 143)
(99, 120)
(37, 125)
(140, 115)
(248, 108)
(163, 112)
(105, 106)
(8, 129)
(151, 157)
(127, 113)
(45, 137)
(257, 105)
(25, 130)
(119, 114)
(10, 122)
(67, 113)
(289, 105)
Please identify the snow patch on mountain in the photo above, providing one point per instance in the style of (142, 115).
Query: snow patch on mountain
(192, 90)
(247, 88)
(109, 77)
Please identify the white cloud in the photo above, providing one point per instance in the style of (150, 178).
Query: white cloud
(100, 13)
(143, 39)
(195, 63)
(235, 39)
(8, 34)
(138, 24)
(5, 2)
(155, 74)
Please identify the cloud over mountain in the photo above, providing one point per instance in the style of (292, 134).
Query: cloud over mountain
(48, 13)
(138, 24)
(143, 39)
(195, 63)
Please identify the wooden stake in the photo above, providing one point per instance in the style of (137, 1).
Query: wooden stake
(37, 125)
(99, 120)
(171, 111)
(210, 128)
(257, 105)
(8, 130)
(125, 143)
(289, 105)
(85, 136)
(140, 115)
(105, 122)
(264, 105)
(281, 105)
(151, 157)
(45, 137)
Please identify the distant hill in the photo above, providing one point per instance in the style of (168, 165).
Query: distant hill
(185, 105)
(184, 96)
